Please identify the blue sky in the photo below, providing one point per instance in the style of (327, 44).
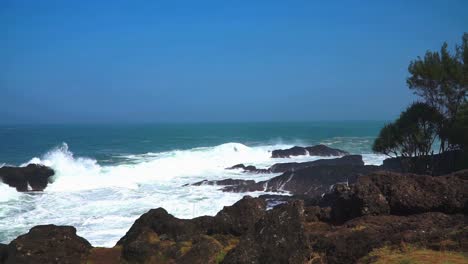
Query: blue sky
(198, 61)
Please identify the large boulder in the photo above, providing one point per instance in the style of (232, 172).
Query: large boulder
(399, 194)
(317, 150)
(48, 244)
(33, 177)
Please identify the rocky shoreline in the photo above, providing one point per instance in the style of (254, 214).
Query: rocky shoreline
(338, 211)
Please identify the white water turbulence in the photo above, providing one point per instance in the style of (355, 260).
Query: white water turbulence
(102, 202)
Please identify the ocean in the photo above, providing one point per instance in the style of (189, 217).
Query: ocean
(107, 175)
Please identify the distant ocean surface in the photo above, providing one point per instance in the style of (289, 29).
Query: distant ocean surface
(108, 175)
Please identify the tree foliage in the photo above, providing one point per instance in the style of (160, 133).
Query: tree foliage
(412, 134)
(440, 78)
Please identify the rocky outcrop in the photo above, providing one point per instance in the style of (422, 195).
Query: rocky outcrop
(312, 181)
(33, 177)
(158, 234)
(317, 150)
(352, 241)
(355, 160)
(399, 194)
(48, 244)
(380, 209)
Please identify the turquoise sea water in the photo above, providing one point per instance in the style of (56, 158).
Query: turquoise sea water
(106, 176)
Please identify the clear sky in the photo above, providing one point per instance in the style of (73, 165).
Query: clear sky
(159, 61)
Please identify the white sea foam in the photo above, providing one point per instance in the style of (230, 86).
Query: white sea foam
(102, 202)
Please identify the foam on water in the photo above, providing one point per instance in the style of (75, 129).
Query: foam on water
(102, 202)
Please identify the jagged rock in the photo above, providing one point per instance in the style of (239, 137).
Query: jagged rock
(239, 218)
(48, 244)
(34, 175)
(278, 238)
(399, 194)
(317, 150)
(157, 234)
(355, 160)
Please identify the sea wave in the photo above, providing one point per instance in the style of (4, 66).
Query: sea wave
(102, 201)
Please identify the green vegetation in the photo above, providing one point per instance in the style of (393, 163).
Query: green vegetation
(441, 80)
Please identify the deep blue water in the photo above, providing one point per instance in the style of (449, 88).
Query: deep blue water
(20, 143)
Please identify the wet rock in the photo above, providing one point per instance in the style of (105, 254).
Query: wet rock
(311, 181)
(224, 182)
(398, 194)
(48, 244)
(248, 168)
(33, 177)
(355, 160)
(318, 150)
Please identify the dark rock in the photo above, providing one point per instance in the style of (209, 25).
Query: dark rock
(225, 182)
(3, 253)
(278, 238)
(249, 168)
(311, 181)
(165, 225)
(399, 194)
(157, 233)
(34, 175)
(48, 244)
(239, 218)
(355, 160)
(318, 150)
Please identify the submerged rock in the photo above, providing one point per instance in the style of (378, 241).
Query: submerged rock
(33, 177)
(48, 244)
(317, 150)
